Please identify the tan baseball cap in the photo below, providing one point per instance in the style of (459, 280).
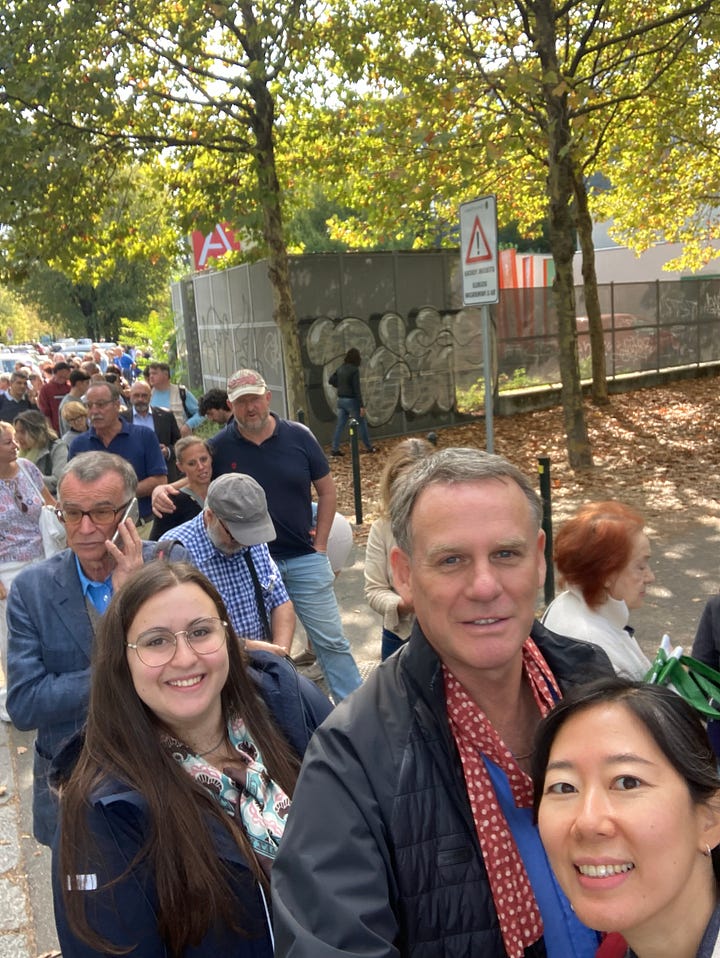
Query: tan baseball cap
(245, 382)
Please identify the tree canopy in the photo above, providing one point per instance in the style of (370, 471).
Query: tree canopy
(379, 115)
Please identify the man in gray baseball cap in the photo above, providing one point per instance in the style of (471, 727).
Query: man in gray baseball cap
(228, 543)
(240, 504)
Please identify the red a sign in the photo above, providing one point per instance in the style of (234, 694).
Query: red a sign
(213, 245)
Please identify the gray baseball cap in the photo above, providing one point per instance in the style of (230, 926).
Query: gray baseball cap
(240, 503)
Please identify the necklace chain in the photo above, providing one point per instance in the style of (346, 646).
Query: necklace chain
(214, 748)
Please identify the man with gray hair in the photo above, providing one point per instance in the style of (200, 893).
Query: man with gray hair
(411, 830)
(55, 607)
(109, 432)
(228, 542)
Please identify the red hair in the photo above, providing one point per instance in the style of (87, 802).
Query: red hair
(594, 545)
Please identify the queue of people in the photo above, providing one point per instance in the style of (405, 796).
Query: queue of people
(497, 786)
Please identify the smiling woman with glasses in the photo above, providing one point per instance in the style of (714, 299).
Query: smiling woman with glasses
(174, 805)
(22, 493)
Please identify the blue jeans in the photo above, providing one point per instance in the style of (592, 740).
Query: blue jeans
(309, 581)
(346, 408)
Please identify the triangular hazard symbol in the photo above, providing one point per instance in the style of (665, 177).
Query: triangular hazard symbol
(478, 250)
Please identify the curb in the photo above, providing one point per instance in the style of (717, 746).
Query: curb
(17, 932)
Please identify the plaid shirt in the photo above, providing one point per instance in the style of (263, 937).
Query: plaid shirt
(230, 576)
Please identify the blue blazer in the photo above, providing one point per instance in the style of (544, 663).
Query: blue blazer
(50, 639)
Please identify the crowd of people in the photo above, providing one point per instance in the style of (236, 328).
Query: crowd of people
(497, 786)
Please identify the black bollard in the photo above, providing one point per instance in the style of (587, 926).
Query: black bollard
(355, 454)
(546, 494)
(300, 416)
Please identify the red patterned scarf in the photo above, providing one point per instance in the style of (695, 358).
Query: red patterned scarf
(517, 910)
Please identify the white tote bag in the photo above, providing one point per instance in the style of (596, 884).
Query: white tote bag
(52, 530)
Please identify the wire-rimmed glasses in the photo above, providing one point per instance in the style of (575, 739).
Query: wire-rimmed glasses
(156, 647)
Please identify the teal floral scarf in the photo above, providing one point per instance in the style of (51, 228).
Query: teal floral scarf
(243, 789)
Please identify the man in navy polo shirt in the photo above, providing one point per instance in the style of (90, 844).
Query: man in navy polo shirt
(108, 432)
(286, 460)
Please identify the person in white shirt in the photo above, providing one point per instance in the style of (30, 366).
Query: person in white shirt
(603, 557)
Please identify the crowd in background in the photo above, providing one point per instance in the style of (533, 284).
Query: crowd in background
(477, 794)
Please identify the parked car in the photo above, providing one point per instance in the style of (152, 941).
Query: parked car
(8, 361)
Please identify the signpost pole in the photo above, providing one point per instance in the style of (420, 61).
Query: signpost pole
(487, 367)
(481, 287)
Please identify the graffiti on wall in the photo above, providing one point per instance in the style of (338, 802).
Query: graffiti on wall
(413, 364)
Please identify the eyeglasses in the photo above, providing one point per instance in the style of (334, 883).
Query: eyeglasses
(22, 505)
(156, 647)
(101, 515)
(100, 403)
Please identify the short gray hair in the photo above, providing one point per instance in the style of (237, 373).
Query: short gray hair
(91, 466)
(112, 388)
(453, 466)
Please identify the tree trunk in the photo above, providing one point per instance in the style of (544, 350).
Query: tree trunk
(278, 264)
(592, 299)
(562, 236)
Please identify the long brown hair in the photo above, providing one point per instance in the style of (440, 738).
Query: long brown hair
(123, 742)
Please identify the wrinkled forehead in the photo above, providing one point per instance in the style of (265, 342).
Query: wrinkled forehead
(107, 488)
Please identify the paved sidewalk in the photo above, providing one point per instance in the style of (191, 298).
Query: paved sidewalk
(686, 561)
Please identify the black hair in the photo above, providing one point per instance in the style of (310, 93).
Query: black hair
(213, 399)
(352, 356)
(675, 727)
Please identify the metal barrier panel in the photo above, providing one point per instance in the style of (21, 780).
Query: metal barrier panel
(419, 346)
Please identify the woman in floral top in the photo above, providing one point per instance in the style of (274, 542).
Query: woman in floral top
(22, 494)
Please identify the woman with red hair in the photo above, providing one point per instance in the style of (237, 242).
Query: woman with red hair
(602, 556)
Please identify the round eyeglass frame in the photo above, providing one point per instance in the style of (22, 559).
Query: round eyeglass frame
(159, 665)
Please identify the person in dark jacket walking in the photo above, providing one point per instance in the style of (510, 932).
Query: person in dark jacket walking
(172, 812)
(346, 380)
(411, 832)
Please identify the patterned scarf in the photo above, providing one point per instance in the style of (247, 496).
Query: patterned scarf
(517, 910)
(262, 805)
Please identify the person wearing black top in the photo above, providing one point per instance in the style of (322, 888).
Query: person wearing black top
(349, 401)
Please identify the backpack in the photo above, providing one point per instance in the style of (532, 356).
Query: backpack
(183, 393)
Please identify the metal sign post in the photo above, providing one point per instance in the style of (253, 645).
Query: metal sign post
(479, 265)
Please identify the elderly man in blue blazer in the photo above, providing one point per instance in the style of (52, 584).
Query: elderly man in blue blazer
(54, 608)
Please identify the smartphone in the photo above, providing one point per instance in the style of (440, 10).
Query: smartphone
(132, 512)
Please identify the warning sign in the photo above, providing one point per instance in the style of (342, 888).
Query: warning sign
(479, 258)
(478, 250)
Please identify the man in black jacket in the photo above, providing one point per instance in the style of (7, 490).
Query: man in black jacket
(16, 400)
(411, 829)
(162, 421)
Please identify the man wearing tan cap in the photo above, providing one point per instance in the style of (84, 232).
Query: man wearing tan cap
(286, 460)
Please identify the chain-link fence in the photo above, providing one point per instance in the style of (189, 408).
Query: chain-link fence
(648, 326)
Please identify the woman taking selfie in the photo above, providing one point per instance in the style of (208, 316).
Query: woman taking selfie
(628, 804)
(172, 812)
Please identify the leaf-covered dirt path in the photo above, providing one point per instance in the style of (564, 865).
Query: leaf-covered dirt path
(656, 449)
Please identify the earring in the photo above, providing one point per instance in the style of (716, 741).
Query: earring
(707, 851)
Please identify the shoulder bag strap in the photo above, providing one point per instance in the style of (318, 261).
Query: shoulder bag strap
(259, 599)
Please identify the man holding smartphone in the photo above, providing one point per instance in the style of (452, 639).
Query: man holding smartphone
(55, 606)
